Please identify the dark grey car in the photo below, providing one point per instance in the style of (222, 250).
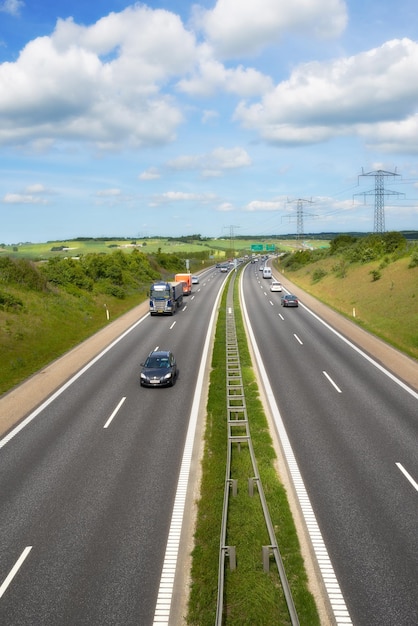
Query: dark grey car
(159, 369)
(289, 300)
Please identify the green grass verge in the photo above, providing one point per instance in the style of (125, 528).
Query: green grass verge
(387, 307)
(251, 595)
(49, 324)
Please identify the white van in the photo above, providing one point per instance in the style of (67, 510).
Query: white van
(267, 272)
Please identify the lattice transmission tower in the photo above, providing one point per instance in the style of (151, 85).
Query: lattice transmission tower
(299, 217)
(379, 193)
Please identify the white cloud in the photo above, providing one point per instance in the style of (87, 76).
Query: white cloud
(225, 207)
(99, 84)
(32, 194)
(183, 196)
(263, 205)
(108, 193)
(237, 27)
(37, 188)
(150, 174)
(211, 77)
(22, 198)
(12, 7)
(362, 95)
(395, 136)
(230, 158)
(209, 115)
(213, 163)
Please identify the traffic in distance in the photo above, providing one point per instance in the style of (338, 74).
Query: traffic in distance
(165, 297)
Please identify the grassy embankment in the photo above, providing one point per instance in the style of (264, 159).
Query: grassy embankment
(49, 325)
(386, 307)
(251, 595)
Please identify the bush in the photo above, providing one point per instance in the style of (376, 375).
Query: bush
(9, 302)
(375, 274)
(318, 274)
(414, 259)
(23, 273)
(340, 269)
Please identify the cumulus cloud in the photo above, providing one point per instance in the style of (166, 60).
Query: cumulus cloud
(213, 163)
(105, 86)
(211, 77)
(365, 94)
(100, 84)
(237, 28)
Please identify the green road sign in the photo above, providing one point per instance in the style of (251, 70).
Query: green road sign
(255, 247)
(270, 246)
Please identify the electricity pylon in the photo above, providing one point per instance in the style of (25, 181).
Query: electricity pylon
(232, 238)
(299, 217)
(379, 197)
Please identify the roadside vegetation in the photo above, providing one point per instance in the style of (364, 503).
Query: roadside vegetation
(46, 308)
(251, 595)
(55, 295)
(372, 280)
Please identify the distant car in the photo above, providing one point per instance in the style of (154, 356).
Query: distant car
(261, 268)
(159, 369)
(289, 300)
(195, 280)
(275, 286)
(224, 268)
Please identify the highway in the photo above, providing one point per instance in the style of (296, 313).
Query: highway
(353, 430)
(88, 485)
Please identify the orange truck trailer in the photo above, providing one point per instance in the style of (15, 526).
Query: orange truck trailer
(186, 279)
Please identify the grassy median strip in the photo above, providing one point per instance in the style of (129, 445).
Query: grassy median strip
(251, 596)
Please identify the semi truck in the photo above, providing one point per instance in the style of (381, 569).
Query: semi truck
(165, 297)
(186, 279)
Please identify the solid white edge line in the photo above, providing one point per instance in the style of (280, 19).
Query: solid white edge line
(407, 475)
(16, 567)
(335, 596)
(69, 382)
(396, 380)
(165, 592)
(114, 412)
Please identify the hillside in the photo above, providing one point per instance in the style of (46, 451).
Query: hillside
(380, 296)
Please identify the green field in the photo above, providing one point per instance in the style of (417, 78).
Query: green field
(216, 248)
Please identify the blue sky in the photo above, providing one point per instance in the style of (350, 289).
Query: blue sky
(176, 118)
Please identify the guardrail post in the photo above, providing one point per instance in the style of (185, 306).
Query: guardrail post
(232, 555)
(251, 482)
(266, 558)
